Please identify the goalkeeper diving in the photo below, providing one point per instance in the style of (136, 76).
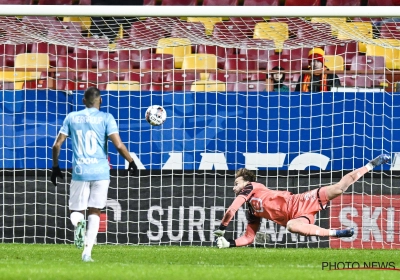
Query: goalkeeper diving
(294, 211)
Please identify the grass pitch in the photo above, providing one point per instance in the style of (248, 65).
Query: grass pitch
(20, 261)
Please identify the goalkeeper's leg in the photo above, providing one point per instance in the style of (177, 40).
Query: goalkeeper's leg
(339, 188)
(303, 227)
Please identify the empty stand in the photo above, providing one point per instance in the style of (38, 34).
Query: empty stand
(179, 2)
(52, 50)
(343, 3)
(302, 2)
(155, 61)
(261, 3)
(147, 33)
(367, 63)
(178, 47)
(298, 53)
(9, 51)
(230, 32)
(260, 56)
(346, 50)
(220, 2)
(240, 62)
(208, 22)
(389, 30)
(55, 2)
(221, 53)
(254, 86)
(200, 62)
(182, 29)
(123, 86)
(334, 62)
(381, 3)
(98, 79)
(180, 80)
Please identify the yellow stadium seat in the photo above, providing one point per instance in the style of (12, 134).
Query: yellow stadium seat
(334, 62)
(123, 86)
(205, 85)
(207, 21)
(359, 31)
(32, 60)
(178, 47)
(333, 22)
(200, 61)
(384, 47)
(276, 31)
(84, 21)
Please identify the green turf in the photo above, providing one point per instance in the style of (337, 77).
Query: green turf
(19, 261)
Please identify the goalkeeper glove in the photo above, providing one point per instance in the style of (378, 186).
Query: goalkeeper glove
(219, 233)
(132, 168)
(56, 172)
(222, 243)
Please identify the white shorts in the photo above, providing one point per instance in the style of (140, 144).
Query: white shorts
(84, 194)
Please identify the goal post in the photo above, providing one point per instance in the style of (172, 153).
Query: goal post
(212, 70)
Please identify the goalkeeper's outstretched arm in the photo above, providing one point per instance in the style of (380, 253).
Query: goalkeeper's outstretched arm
(244, 240)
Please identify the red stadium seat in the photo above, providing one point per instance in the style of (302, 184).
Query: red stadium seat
(362, 81)
(16, 2)
(98, 79)
(261, 3)
(220, 52)
(293, 23)
(303, 3)
(231, 79)
(9, 51)
(343, 3)
(188, 30)
(55, 2)
(88, 46)
(229, 32)
(149, 2)
(53, 50)
(220, 2)
(382, 3)
(301, 53)
(346, 50)
(147, 33)
(179, 2)
(240, 62)
(287, 62)
(367, 63)
(246, 24)
(255, 86)
(155, 61)
(260, 56)
(313, 32)
(390, 30)
(180, 80)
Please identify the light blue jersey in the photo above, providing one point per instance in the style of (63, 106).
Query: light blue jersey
(89, 130)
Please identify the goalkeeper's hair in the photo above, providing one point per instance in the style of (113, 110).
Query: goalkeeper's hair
(246, 174)
(92, 94)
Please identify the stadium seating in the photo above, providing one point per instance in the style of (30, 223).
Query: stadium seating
(98, 79)
(389, 30)
(208, 22)
(230, 79)
(367, 63)
(250, 86)
(298, 53)
(52, 50)
(288, 63)
(182, 29)
(381, 3)
(343, 3)
(260, 56)
(149, 2)
(220, 2)
(153, 61)
(240, 62)
(346, 49)
(220, 52)
(261, 3)
(302, 2)
(334, 62)
(55, 2)
(200, 61)
(180, 80)
(9, 51)
(178, 47)
(16, 2)
(230, 33)
(146, 33)
(205, 85)
(362, 81)
(123, 86)
(392, 55)
(179, 2)
(276, 31)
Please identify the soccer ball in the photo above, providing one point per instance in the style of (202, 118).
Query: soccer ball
(156, 115)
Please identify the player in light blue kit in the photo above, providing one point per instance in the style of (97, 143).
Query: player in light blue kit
(89, 130)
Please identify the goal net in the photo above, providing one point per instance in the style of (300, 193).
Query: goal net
(300, 100)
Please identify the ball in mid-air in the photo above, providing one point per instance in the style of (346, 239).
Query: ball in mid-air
(156, 115)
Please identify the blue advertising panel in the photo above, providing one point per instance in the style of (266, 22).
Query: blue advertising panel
(213, 130)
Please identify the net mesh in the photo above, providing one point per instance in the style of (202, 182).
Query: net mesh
(214, 78)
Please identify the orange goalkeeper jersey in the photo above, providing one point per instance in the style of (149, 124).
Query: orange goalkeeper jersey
(262, 202)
